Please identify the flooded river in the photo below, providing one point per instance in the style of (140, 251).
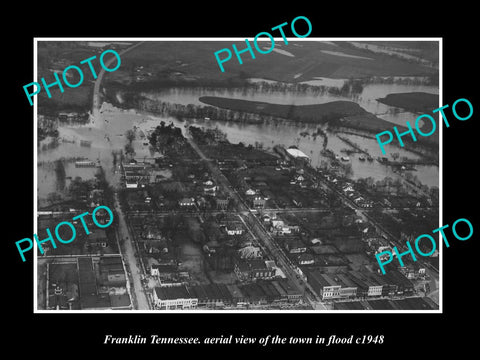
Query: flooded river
(108, 134)
(367, 99)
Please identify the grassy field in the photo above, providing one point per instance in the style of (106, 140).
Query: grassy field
(77, 99)
(194, 63)
(58, 55)
(195, 60)
(413, 101)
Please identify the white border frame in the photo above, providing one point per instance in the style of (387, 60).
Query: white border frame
(202, 311)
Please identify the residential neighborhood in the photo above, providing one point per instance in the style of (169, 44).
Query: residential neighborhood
(219, 207)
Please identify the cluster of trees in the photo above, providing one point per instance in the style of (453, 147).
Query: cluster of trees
(60, 174)
(130, 136)
(428, 80)
(166, 136)
(51, 145)
(351, 86)
(43, 133)
(198, 112)
(205, 136)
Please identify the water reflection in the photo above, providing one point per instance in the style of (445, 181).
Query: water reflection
(107, 134)
(367, 99)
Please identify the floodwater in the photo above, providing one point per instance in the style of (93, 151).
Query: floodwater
(367, 99)
(107, 134)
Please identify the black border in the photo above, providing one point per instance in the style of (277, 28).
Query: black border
(409, 334)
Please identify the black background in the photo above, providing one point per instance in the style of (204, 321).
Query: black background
(408, 335)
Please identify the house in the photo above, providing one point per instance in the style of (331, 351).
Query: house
(163, 271)
(258, 202)
(97, 238)
(131, 184)
(112, 271)
(412, 271)
(280, 228)
(210, 189)
(208, 183)
(295, 246)
(186, 202)
(299, 178)
(250, 192)
(174, 297)
(222, 202)
(233, 228)
(305, 259)
(266, 218)
(250, 252)
(358, 200)
(147, 198)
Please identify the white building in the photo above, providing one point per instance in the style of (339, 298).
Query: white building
(297, 154)
(174, 297)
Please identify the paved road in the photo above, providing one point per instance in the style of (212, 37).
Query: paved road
(257, 228)
(128, 255)
(98, 81)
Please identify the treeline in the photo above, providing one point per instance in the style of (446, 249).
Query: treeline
(427, 80)
(191, 111)
(350, 87)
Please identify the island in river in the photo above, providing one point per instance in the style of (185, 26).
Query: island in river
(420, 102)
(336, 113)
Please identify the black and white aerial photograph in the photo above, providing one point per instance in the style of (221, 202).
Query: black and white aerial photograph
(238, 187)
(189, 180)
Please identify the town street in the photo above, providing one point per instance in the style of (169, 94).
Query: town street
(259, 231)
(128, 254)
(96, 89)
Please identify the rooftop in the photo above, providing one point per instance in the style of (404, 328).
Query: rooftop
(297, 153)
(173, 292)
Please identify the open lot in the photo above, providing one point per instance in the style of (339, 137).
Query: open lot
(192, 261)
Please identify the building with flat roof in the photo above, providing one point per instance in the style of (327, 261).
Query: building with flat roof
(112, 271)
(248, 269)
(323, 285)
(211, 295)
(295, 153)
(173, 298)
